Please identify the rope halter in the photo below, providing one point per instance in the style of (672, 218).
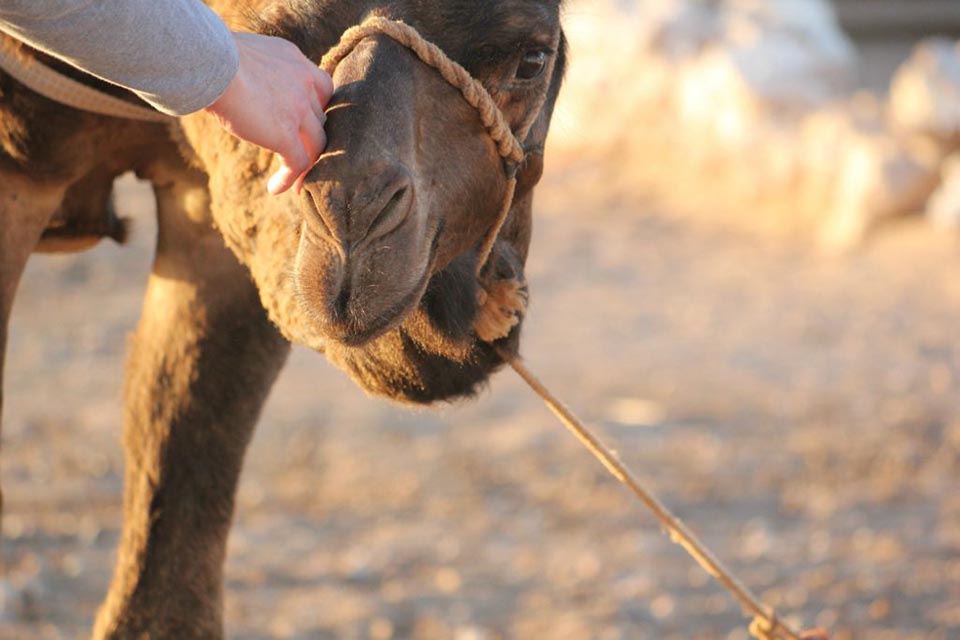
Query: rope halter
(507, 142)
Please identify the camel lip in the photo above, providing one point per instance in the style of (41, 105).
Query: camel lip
(345, 331)
(350, 335)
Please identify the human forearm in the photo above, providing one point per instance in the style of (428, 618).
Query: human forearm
(176, 54)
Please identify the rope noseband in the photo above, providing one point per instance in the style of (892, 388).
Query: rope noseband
(507, 142)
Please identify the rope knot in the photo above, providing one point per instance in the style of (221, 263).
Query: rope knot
(511, 168)
(765, 627)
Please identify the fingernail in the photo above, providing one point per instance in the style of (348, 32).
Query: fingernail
(274, 185)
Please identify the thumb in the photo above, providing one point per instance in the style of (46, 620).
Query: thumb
(292, 165)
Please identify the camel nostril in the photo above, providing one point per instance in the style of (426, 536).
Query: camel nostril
(388, 209)
(392, 214)
(350, 210)
(316, 216)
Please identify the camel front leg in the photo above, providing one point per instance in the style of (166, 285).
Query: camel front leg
(25, 209)
(203, 360)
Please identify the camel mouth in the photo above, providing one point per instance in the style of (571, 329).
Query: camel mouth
(347, 331)
(344, 318)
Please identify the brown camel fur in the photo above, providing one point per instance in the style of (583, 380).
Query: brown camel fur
(372, 264)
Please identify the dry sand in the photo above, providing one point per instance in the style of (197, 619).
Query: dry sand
(803, 414)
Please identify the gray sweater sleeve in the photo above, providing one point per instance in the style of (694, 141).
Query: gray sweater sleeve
(178, 55)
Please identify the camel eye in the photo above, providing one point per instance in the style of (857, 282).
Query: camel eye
(531, 65)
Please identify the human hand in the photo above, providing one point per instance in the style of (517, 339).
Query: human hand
(276, 101)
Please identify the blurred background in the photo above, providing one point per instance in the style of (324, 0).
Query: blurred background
(744, 273)
(799, 117)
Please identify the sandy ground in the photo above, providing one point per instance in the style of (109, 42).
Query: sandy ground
(802, 413)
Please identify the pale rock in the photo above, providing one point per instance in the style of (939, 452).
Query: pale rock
(925, 92)
(879, 176)
(755, 95)
(713, 99)
(676, 29)
(609, 81)
(792, 54)
(779, 164)
(770, 61)
(823, 139)
(716, 67)
(944, 206)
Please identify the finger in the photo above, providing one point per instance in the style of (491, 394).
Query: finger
(282, 180)
(294, 161)
(317, 108)
(314, 140)
(323, 86)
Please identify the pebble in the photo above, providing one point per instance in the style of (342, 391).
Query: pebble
(447, 580)
(662, 606)
(381, 629)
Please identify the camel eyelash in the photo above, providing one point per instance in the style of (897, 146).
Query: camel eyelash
(493, 54)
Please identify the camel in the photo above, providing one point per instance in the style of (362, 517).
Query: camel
(373, 263)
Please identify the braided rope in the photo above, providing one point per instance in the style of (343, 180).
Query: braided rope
(508, 146)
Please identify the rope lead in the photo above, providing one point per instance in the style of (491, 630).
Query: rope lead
(765, 625)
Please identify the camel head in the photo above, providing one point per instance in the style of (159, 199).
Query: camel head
(393, 214)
